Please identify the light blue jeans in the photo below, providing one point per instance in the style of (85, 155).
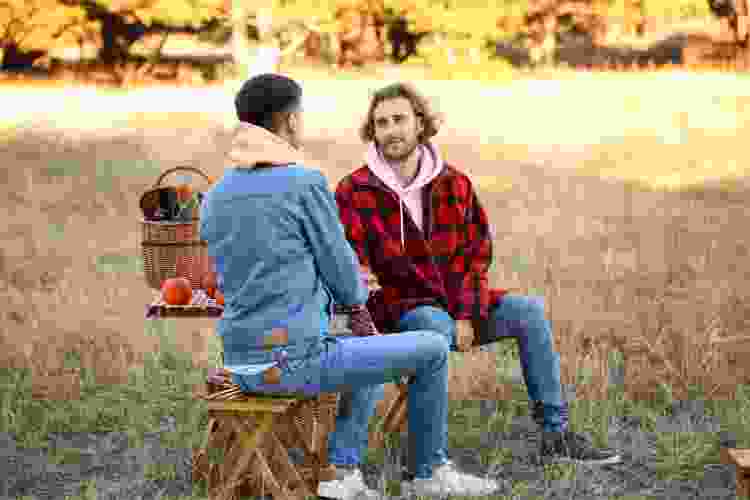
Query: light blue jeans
(522, 317)
(357, 364)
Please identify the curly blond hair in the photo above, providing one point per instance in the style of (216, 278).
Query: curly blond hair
(421, 106)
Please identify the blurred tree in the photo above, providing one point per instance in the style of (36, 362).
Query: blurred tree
(123, 22)
(361, 31)
(29, 28)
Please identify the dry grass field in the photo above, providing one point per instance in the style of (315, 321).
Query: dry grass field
(647, 278)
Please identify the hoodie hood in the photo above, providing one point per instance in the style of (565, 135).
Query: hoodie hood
(252, 145)
(430, 166)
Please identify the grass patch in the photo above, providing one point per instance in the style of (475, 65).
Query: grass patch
(156, 472)
(119, 168)
(57, 232)
(161, 387)
(62, 168)
(66, 456)
(119, 263)
(87, 491)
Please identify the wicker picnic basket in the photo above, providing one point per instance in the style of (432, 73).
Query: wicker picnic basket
(171, 248)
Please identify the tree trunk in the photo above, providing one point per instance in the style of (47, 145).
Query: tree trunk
(117, 36)
(14, 59)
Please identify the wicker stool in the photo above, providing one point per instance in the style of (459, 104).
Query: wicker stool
(255, 431)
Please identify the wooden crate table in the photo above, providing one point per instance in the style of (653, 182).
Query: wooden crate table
(201, 306)
(740, 458)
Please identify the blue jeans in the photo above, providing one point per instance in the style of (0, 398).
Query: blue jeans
(516, 316)
(360, 363)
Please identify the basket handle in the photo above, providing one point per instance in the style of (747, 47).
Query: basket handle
(182, 167)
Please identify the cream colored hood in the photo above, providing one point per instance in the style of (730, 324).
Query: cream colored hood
(252, 145)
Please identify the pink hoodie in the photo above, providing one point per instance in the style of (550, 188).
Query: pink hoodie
(431, 164)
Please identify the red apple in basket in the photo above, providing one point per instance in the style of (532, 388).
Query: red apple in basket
(177, 291)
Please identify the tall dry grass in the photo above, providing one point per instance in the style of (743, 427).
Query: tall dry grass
(617, 265)
(623, 268)
(70, 270)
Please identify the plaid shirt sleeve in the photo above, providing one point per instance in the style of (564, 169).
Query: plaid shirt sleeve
(350, 218)
(474, 297)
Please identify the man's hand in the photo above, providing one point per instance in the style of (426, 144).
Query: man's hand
(361, 322)
(464, 335)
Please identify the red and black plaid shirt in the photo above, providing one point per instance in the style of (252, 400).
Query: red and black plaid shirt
(445, 265)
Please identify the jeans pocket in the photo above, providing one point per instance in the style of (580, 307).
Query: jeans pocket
(298, 376)
(255, 382)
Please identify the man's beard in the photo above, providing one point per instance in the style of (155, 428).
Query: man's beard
(404, 150)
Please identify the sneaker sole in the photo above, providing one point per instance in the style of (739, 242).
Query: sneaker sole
(324, 495)
(415, 493)
(408, 488)
(605, 461)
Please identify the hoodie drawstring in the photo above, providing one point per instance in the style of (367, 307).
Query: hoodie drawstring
(401, 204)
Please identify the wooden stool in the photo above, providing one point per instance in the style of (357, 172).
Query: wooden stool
(255, 431)
(395, 415)
(741, 459)
(395, 419)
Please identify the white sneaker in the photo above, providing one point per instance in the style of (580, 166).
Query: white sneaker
(446, 480)
(348, 485)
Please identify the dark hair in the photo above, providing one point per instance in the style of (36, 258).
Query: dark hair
(265, 98)
(421, 107)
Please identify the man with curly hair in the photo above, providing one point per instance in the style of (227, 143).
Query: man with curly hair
(417, 223)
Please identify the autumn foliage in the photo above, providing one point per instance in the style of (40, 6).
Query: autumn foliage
(40, 24)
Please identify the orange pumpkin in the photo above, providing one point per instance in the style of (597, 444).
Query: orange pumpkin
(184, 192)
(177, 291)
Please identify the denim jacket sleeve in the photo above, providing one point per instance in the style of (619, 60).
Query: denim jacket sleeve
(334, 257)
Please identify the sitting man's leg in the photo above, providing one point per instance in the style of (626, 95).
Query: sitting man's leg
(524, 318)
(430, 318)
(348, 442)
(350, 364)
